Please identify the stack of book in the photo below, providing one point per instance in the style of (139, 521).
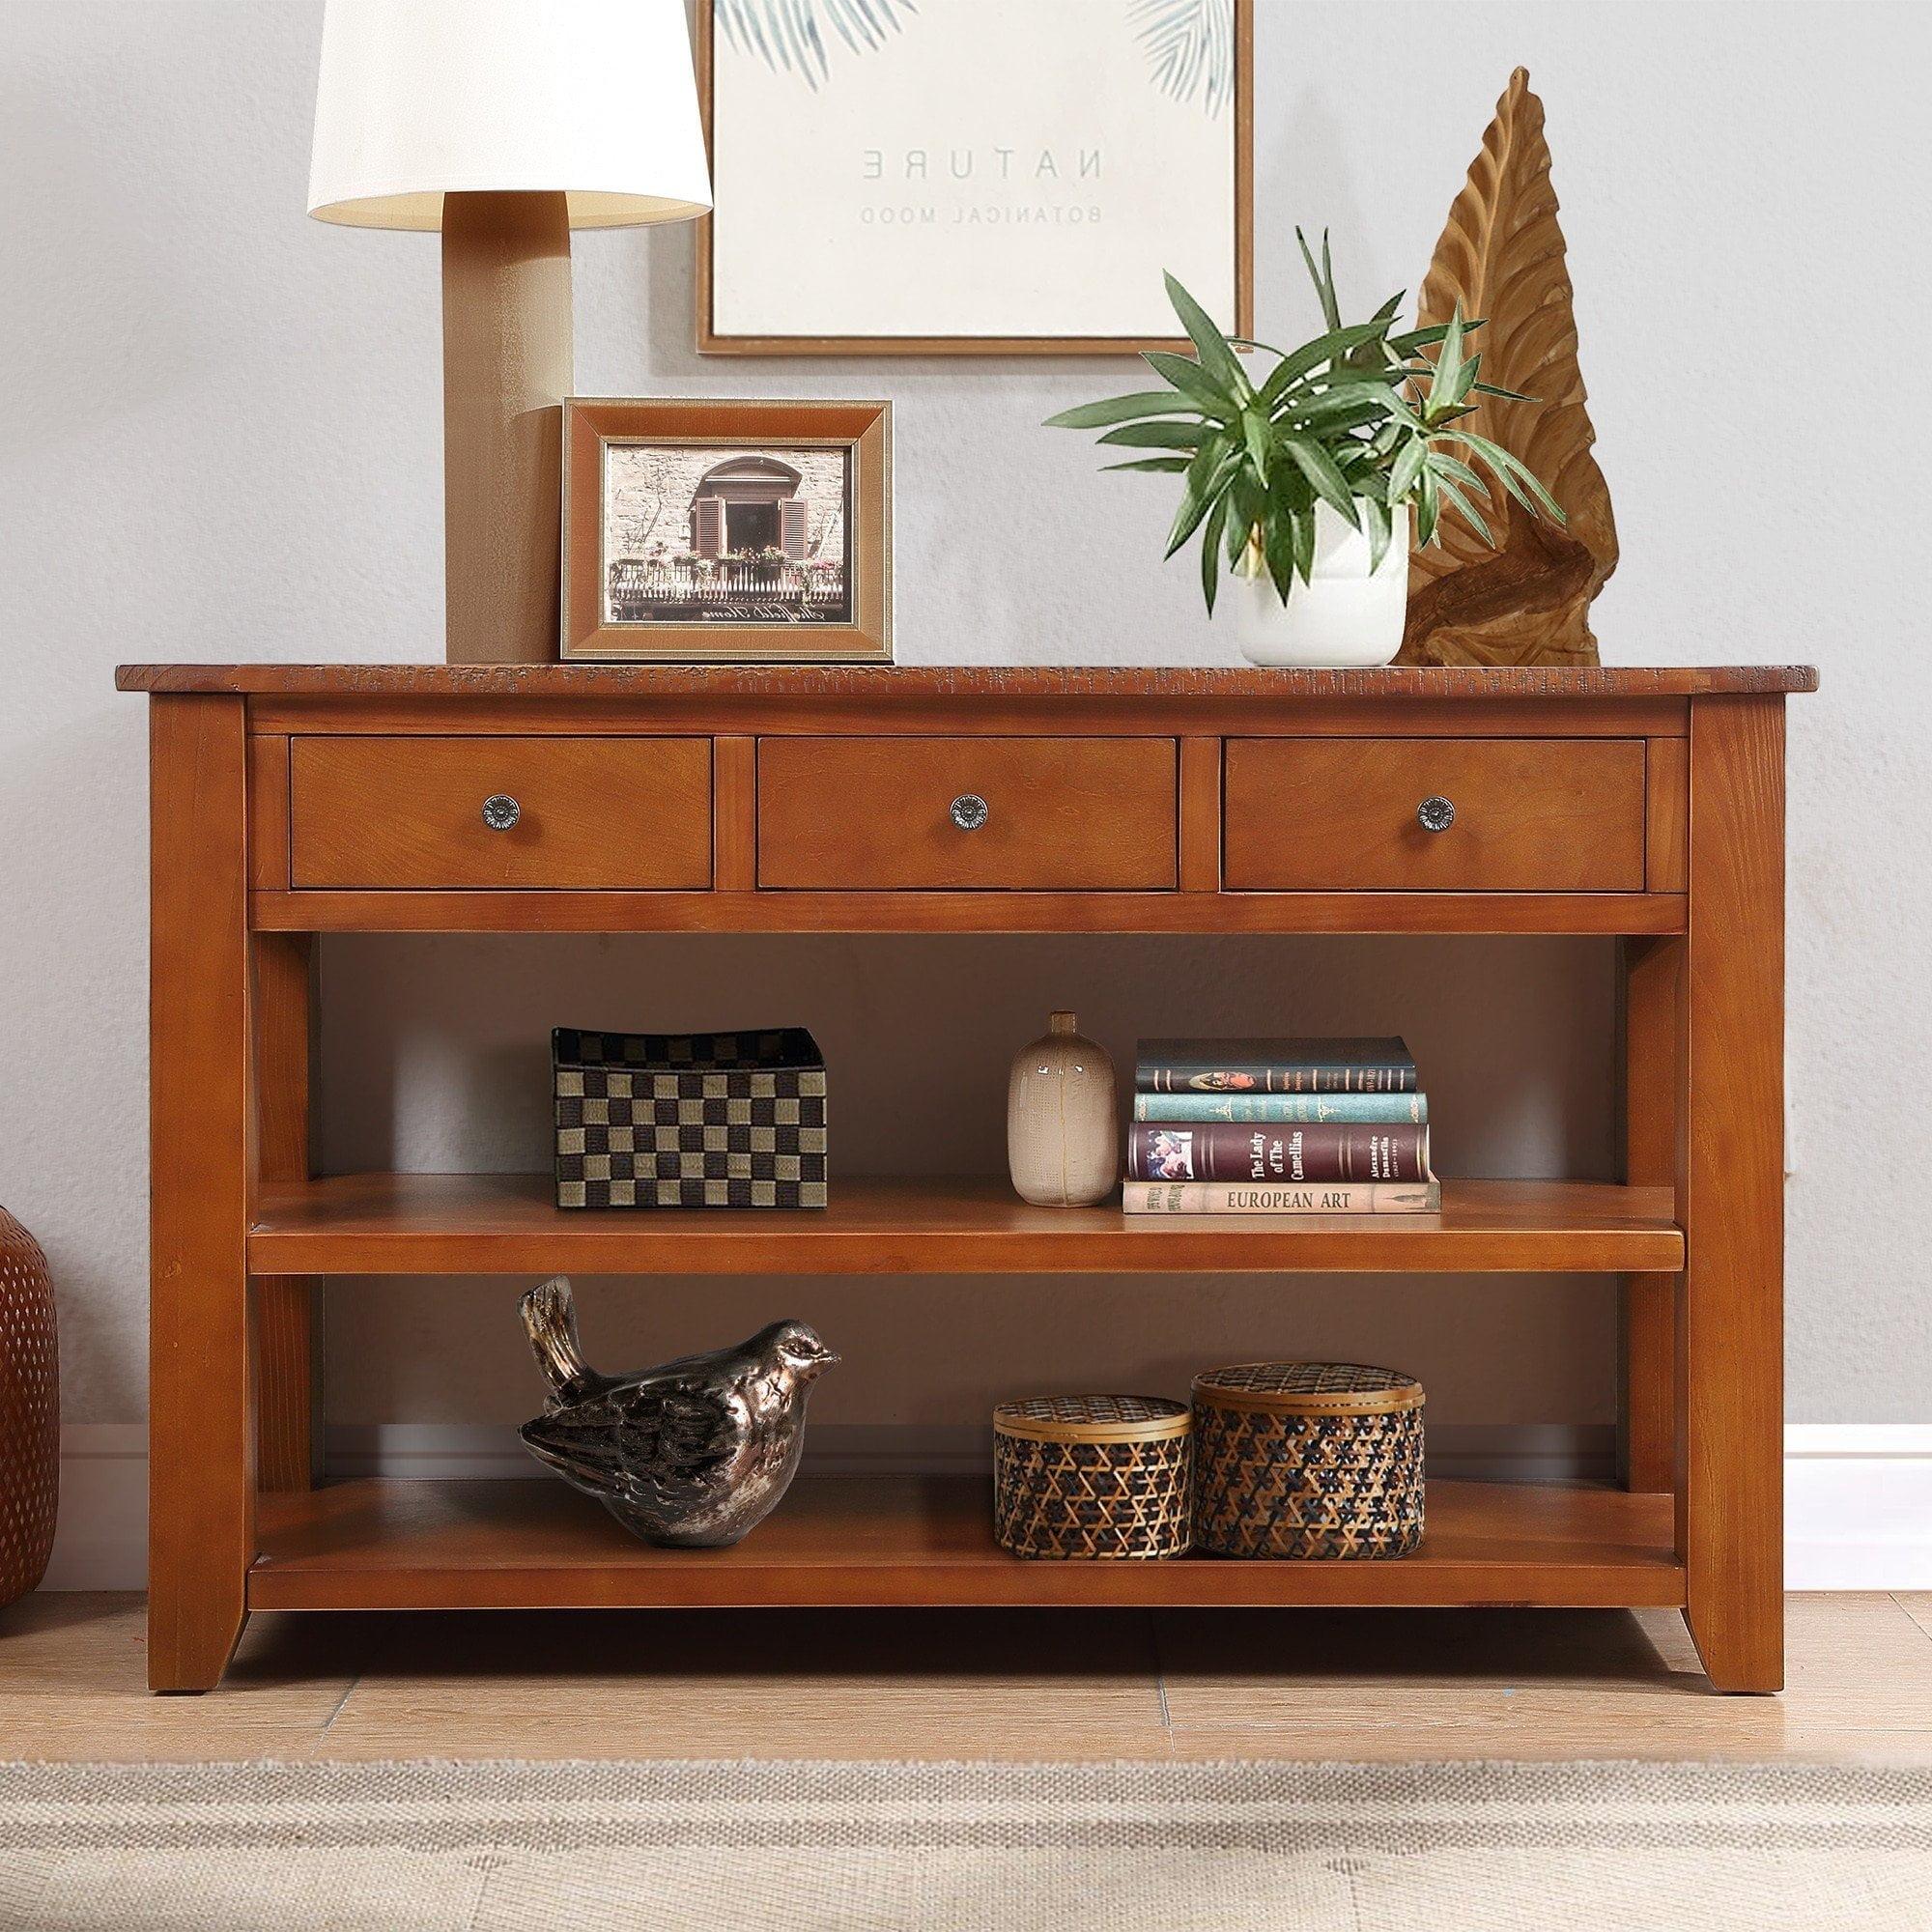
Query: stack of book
(1278, 1126)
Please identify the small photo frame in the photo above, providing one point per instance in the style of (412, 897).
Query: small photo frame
(727, 530)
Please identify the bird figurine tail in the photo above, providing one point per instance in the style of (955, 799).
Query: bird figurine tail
(550, 1320)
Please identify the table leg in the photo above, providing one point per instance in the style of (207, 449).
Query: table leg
(284, 1304)
(1732, 1198)
(201, 1480)
(1649, 972)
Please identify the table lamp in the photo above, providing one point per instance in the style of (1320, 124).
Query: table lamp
(505, 123)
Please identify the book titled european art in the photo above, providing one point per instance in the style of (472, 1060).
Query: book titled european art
(1232, 1197)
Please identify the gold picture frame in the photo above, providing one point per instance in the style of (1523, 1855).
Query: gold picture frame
(727, 530)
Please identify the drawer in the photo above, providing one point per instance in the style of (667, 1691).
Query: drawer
(592, 814)
(877, 815)
(1341, 815)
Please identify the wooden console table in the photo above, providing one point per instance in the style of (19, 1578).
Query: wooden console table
(291, 800)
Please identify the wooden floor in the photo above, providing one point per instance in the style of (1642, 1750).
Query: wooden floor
(998, 1684)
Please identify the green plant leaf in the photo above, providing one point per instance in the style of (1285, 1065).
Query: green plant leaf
(1446, 464)
(1303, 538)
(1123, 408)
(1278, 552)
(1381, 530)
(1194, 381)
(1255, 432)
(1247, 506)
(1323, 476)
(1427, 509)
(1407, 469)
(1217, 357)
(1173, 465)
(1210, 552)
(1322, 278)
(1157, 435)
(1207, 477)
(1410, 340)
(1453, 492)
(1509, 467)
(1311, 356)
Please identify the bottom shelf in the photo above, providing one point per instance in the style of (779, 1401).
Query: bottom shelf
(418, 1544)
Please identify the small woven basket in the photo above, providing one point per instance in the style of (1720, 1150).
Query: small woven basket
(1307, 1458)
(1107, 1477)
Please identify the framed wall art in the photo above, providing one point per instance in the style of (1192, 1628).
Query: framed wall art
(973, 177)
(726, 531)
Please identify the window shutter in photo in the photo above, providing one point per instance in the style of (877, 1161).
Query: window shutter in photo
(791, 527)
(707, 525)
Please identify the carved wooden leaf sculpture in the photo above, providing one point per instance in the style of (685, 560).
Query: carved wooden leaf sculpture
(1528, 601)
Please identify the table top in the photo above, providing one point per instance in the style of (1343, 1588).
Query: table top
(957, 681)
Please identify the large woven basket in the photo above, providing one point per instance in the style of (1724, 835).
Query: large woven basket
(29, 1411)
(1097, 1477)
(1307, 1458)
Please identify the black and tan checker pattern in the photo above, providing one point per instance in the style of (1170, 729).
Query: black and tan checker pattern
(690, 1121)
(1098, 1478)
(1308, 1460)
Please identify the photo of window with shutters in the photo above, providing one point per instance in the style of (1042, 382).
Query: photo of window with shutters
(725, 534)
(726, 529)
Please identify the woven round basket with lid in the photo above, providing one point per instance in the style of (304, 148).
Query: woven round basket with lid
(1307, 1458)
(1107, 1477)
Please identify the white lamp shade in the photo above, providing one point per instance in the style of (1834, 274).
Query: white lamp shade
(419, 99)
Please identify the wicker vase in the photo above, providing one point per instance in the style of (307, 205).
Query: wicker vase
(29, 1411)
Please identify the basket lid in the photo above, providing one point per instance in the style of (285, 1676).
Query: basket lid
(1094, 1418)
(1309, 1388)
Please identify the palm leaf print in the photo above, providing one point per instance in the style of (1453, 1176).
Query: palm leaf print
(789, 36)
(1190, 47)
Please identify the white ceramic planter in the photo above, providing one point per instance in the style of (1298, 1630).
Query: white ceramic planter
(1347, 616)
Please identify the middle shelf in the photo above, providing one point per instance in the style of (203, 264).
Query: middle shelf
(507, 1224)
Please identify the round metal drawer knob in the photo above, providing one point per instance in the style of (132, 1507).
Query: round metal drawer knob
(500, 812)
(1435, 814)
(969, 811)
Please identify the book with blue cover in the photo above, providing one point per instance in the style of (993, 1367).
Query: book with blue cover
(1311, 1109)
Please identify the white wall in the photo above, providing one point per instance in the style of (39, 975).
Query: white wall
(218, 439)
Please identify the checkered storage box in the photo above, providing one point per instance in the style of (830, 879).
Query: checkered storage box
(717, 1120)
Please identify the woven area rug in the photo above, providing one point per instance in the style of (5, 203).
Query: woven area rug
(429, 1847)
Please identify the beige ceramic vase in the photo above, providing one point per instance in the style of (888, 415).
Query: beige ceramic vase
(1062, 1143)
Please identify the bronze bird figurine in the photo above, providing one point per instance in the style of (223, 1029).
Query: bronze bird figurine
(692, 1455)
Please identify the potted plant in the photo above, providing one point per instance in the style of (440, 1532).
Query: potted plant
(1302, 482)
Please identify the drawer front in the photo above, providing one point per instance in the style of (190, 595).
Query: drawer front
(592, 814)
(877, 815)
(1343, 814)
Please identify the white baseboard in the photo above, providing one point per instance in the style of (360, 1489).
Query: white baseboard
(100, 1540)
(1857, 1506)
(1857, 1496)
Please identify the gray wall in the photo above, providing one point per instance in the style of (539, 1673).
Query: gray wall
(221, 441)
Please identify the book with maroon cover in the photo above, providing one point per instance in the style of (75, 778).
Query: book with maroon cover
(1228, 1151)
(1294, 1066)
